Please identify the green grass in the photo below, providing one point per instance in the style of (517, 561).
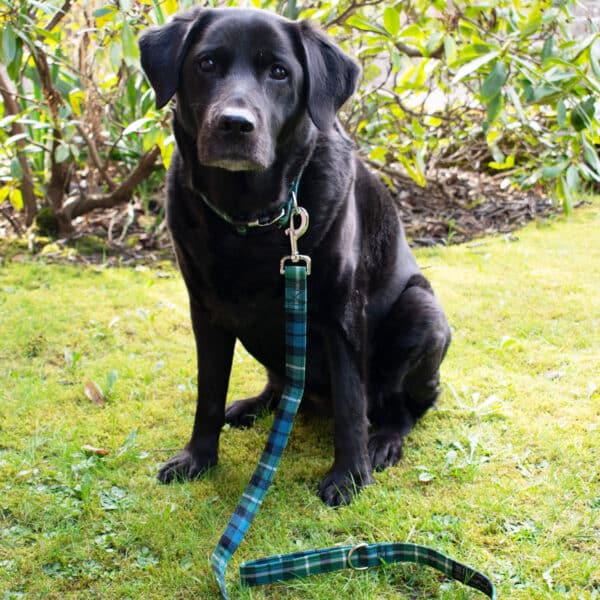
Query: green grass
(503, 475)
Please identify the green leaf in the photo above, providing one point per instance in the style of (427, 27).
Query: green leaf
(9, 45)
(595, 57)
(553, 171)
(137, 125)
(160, 17)
(361, 23)
(587, 173)
(583, 114)
(494, 81)
(548, 49)
(104, 15)
(516, 102)
(561, 113)
(544, 94)
(532, 24)
(132, 94)
(131, 51)
(62, 153)
(473, 65)
(16, 172)
(450, 49)
(414, 169)
(572, 178)
(15, 65)
(391, 21)
(494, 107)
(590, 154)
(565, 194)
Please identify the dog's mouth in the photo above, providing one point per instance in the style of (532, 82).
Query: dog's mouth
(234, 156)
(233, 162)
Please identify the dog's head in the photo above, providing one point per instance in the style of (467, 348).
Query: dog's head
(243, 80)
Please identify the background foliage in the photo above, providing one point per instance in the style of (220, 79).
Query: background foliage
(510, 87)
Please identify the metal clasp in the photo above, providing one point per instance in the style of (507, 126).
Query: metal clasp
(295, 232)
(349, 559)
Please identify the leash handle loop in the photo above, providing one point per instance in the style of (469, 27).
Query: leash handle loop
(363, 556)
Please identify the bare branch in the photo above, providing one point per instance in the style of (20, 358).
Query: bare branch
(59, 15)
(416, 53)
(79, 206)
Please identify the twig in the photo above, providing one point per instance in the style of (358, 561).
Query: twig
(96, 158)
(14, 223)
(348, 12)
(59, 15)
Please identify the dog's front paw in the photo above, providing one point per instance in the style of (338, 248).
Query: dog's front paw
(385, 448)
(339, 486)
(185, 466)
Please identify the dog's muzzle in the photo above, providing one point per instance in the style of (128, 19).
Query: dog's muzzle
(235, 139)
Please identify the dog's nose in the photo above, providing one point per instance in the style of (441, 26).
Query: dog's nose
(238, 120)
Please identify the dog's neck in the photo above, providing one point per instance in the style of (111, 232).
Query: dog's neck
(247, 195)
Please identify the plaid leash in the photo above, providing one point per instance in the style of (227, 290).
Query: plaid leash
(295, 343)
(312, 562)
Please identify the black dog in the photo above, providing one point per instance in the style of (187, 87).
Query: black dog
(256, 103)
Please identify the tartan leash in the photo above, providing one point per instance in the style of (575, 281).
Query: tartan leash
(311, 562)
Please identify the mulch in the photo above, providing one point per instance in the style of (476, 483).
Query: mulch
(454, 207)
(457, 206)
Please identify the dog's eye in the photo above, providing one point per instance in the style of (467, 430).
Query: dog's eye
(278, 72)
(207, 64)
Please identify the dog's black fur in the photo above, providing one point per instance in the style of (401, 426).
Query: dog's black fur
(256, 102)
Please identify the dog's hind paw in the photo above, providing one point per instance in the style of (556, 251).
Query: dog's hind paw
(338, 487)
(385, 448)
(184, 466)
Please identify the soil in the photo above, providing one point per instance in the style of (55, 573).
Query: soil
(454, 207)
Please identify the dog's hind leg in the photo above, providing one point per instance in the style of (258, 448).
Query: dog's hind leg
(243, 413)
(410, 345)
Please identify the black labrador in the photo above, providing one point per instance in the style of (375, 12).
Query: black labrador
(256, 103)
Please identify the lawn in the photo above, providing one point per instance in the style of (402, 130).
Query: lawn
(504, 474)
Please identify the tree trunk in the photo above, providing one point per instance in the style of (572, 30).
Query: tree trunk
(11, 107)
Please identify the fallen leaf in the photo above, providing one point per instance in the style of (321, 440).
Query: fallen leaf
(93, 392)
(97, 451)
(426, 477)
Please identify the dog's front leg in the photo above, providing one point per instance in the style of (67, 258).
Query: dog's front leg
(214, 351)
(351, 468)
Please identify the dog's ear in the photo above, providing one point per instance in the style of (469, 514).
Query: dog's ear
(163, 49)
(329, 73)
